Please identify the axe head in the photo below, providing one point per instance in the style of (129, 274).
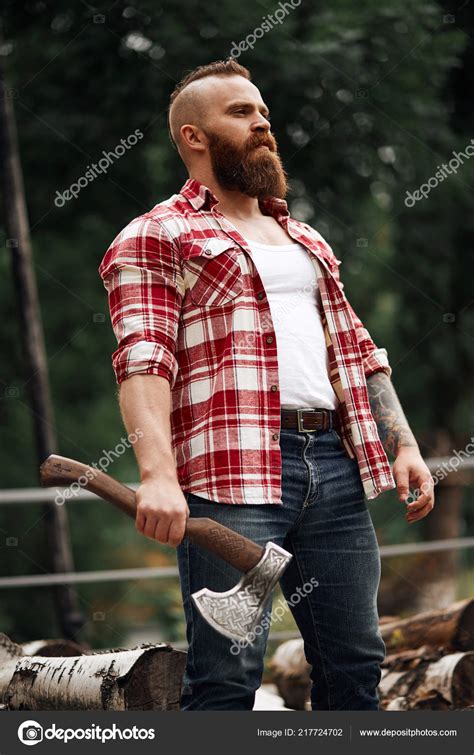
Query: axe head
(236, 612)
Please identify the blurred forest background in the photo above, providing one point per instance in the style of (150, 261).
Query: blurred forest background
(367, 100)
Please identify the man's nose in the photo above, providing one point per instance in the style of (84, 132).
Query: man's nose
(262, 125)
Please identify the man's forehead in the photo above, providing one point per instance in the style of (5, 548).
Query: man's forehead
(222, 90)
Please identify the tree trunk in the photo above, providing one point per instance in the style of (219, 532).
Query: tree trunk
(58, 544)
(143, 678)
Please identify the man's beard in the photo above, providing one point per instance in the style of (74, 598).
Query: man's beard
(257, 172)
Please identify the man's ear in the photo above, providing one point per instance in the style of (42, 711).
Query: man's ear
(193, 138)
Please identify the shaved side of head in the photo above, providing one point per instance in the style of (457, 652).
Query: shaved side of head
(188, 107)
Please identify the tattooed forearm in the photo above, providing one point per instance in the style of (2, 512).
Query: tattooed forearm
(391, 422)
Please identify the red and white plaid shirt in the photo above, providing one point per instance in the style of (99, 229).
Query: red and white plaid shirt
(187, 303)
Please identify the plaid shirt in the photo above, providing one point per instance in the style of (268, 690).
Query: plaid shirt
(187, 303)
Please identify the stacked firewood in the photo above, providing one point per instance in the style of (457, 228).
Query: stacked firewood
(429, 663)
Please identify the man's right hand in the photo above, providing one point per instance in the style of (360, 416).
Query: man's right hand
(162, 510)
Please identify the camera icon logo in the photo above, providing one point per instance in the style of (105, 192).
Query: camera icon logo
(30, 732)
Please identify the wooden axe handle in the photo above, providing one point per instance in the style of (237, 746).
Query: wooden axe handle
(236, 549)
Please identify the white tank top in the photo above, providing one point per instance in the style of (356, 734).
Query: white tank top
(290, 283)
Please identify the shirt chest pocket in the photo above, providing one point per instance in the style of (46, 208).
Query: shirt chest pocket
(212, 271)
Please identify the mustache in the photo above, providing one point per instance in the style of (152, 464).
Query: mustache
(265, 141)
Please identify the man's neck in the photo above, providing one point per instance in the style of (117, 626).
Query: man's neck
(233, 204)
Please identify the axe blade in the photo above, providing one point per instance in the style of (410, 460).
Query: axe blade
(236, 612)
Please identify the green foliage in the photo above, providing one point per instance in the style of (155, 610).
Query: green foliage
(366, 99)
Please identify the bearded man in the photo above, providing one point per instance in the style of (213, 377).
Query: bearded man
(263, 402)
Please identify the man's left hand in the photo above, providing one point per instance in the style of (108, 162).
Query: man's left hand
(410, 471)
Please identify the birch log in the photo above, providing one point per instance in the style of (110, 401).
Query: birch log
(142, 678)
(426, 678)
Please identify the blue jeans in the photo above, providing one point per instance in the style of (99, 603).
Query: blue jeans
(324, 522)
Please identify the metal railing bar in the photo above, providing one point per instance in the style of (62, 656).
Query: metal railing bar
(163, 572)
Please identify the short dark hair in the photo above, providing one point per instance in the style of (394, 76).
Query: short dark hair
(228, 67)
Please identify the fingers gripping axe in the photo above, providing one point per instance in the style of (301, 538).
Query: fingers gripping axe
(234, 613)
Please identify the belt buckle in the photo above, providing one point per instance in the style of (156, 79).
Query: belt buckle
(300, 419)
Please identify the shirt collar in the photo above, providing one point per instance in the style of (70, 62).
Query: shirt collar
(198, 194)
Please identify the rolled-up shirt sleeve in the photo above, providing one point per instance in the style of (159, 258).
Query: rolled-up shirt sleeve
(142, 275)
(375, 359)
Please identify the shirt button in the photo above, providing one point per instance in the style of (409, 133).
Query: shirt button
(260, 295)
(269, 339)
(274, 388)
(207, 251)
(275, 436)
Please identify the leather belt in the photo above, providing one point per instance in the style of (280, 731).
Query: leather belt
(308, 420)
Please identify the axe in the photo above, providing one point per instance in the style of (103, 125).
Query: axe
(235, 612)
